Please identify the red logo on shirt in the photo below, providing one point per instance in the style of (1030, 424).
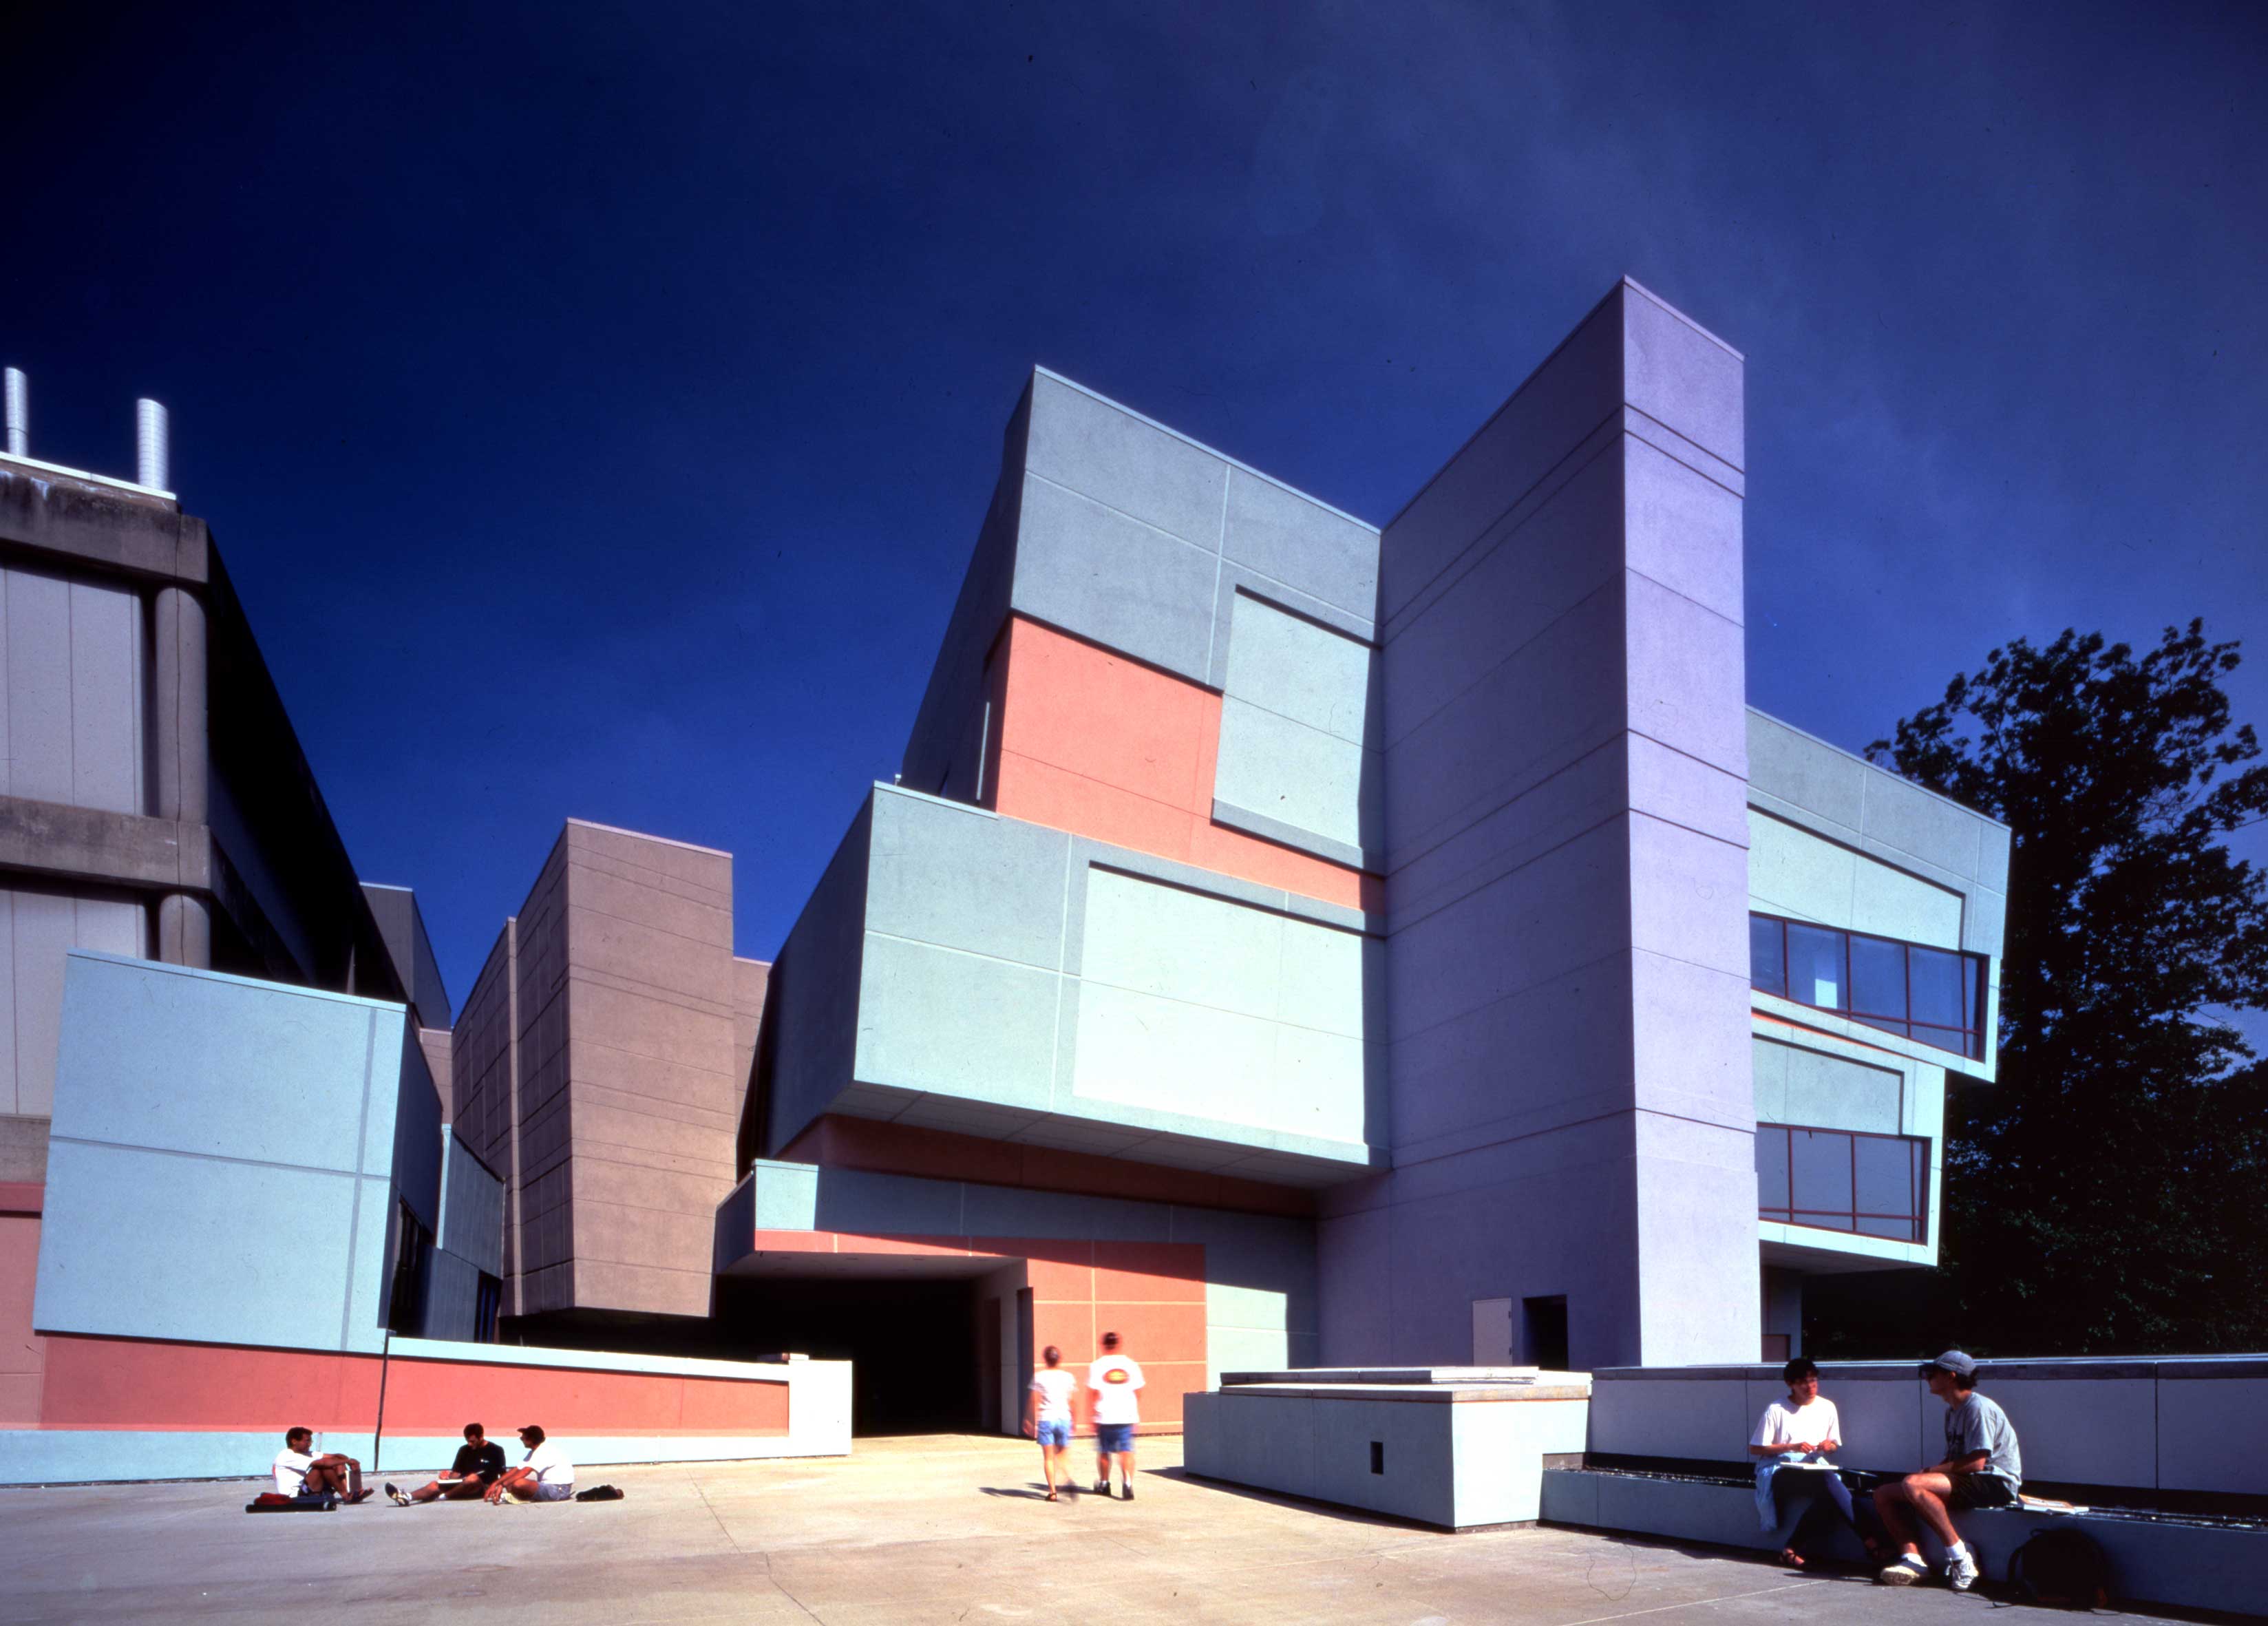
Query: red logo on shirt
(1116, 1374)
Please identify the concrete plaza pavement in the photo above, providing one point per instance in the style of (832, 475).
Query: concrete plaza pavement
(944, 1527)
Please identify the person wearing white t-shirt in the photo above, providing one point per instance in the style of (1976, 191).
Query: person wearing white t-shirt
(1112, 1384)
(544, 1475)
(1794, 1478)
(1047, 1415)
(300, 1472)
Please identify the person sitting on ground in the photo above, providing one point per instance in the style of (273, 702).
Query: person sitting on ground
(1792, 1444)
(1982, 1468)
(298, 1473)
(1047, 1416)
(479, 1464)
(544, 1475)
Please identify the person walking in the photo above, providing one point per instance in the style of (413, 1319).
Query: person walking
(1048, 1416)
(1112, 1383)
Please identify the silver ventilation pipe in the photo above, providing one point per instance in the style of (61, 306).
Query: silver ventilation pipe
(19, 414)
(152, 445)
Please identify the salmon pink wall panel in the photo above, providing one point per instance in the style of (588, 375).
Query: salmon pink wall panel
(439, 1397)
(21, 1349)
(127, 1383)
(1104, 746)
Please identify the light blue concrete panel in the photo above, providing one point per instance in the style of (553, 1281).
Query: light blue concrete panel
(472, 1208)
(1333, 981)
(92, 1456)
(937, 1019)
(1092, 571)
(1829, 1092)
(1148, 938)
(1302, 543)
(964, 878)
(1172, 1056)
(250, 1070)
(888, 1205)
(1121, 460)
(1789, 764)
(1229, 816)
(1929, 826)
(144, 1244)
(1309, 674)
(812, 1002)
(1300, 776)
(452, 1287)
(787, 1195)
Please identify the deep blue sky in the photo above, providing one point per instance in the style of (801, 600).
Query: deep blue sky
(596, 405)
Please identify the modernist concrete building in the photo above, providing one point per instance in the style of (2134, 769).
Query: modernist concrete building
(1287, 941)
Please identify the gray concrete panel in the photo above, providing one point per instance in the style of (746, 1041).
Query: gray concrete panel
(1307, 673)
(960, 878)
(1678, 373)
(1282, 534)
(1080, 441)
(1578, 387)
(937, 1019)
(1684, 530)
(815, 993)
(1687, 677)
(1095, 572)
(1311, 780)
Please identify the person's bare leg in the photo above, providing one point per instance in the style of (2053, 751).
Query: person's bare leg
(1891, 1507)
(1048, 1468)
(1927, 1492)
(429, 1490)
(463, 1491)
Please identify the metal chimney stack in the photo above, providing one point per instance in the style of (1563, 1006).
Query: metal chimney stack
(19, 414)
(152, 445)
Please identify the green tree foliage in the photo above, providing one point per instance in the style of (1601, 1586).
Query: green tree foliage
(2107, 1194)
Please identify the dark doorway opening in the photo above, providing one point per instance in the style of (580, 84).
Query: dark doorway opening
(1543, 1332)
(912, 1342)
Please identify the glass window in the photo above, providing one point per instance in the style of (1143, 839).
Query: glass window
(1771, 1171)
(1767, 955)
(1820, 1161)
(1816, 972)
(1878, 978)
(1937, 979)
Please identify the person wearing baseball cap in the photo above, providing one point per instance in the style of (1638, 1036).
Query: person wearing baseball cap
(1982, 1467)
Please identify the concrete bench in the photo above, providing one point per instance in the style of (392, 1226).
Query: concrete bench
(2153, 1558)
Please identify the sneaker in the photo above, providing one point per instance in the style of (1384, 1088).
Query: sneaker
(1905, 1572)
(1961, 1571)
(396, 1496)
(1103, 1487)
(1127, 1491)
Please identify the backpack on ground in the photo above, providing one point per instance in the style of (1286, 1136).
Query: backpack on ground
(276, 1502)
(2063, 1566)
(599, 1493)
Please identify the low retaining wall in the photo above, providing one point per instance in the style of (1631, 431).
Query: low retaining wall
(2188, 1425)
(2155, 1561)
(1456, 1448)
(117, 1409)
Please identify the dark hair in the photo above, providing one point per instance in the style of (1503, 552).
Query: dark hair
(532, 1428)
(472, 1429)
(1051, 1355)
(1111, 1340)
(295, 1434)
(1801, 1367)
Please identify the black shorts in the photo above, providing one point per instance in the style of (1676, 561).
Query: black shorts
(1980, 1489)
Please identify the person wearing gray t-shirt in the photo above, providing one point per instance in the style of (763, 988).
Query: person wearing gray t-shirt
(1982, 1468)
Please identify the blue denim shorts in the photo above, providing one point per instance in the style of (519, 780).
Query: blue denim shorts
(554, 1490)
(1056, 1434)
(1110, 1439)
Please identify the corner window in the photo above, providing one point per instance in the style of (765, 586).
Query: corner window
(1931, 995)
(1842, 1179)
